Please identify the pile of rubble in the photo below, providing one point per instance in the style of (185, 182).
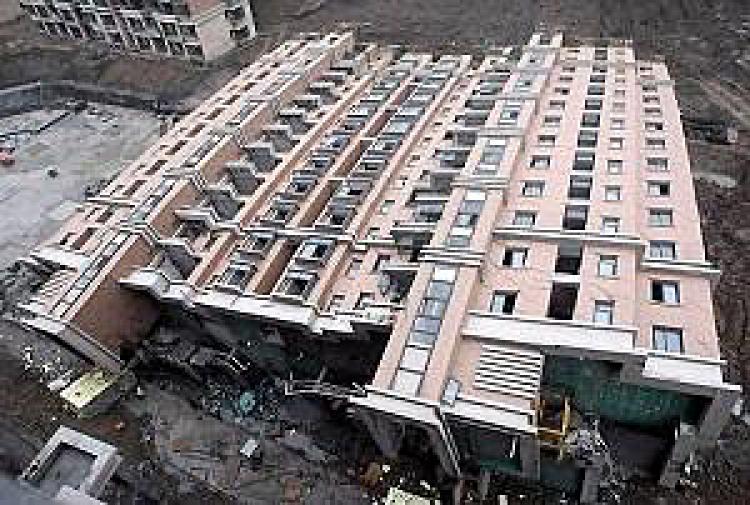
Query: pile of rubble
(17, 283)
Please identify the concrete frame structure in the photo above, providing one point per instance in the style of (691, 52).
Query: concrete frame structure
(72, 467)
(193, 29)
(520, 235)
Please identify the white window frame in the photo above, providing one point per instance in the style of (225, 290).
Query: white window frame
(608, 266)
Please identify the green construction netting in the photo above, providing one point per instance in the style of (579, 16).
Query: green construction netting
(594, 386)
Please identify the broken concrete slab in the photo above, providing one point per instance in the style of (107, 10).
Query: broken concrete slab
(75, 460)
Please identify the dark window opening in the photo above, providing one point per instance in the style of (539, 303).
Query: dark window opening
(584, 160)
(569, 258)
(580, 187)
(562, 301)
(575, 217)
(503, 302)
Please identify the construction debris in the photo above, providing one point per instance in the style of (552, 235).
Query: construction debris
(17, 283)
(303, 445)
(97, 391)
(399, 497)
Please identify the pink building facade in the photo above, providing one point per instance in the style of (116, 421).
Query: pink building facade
(505, 254)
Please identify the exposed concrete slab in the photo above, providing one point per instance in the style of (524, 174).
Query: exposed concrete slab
(83, 148)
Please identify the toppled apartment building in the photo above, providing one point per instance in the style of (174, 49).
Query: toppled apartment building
(507, 253)
(200, 30)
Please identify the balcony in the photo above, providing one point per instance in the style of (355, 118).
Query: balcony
(327, 90)
(60, 258)
(384, 147)
(336, 76)
(480, 103)
(373, 315)
(369, 167)
(412, 233)
(262, 155)
(236, 277)
(452, 156)
(280, 213)
(315, 251)
(256, 244)
(280, 136)
(575, 217)
(224, 198)
(351, 192)
(490, 88)
(441, 177)
(374, 99)
(205, 216)
(308, 102)
(299, 187)
(562, 301)
(463, 136)
(336, 218)
(296, 118)
(234, 10)
(360, 112)
(473, 119)
(333, 144)
(409, 114)
(396, 128)
(159, 284)
(296, 285)
(397, 279)
(428, 213)
(580, 187)
(181, 254)
(243, 176)
(569, 258)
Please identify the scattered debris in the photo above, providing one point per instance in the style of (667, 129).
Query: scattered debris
(97, 391)
(17, 284)
(710, 130)
(302, 444)
(373, 475)
(61, 382)
(249, 449)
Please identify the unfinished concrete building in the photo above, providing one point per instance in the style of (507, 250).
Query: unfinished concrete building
(505, 254)
(194, 29)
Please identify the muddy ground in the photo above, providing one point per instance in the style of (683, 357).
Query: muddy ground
(701, 39)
